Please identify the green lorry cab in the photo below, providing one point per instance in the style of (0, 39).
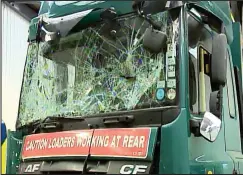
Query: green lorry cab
(130, 87)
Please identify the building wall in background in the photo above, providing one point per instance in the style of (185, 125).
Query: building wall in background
(14, 48)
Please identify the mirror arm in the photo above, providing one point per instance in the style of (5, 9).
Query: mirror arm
(195, 126)
(47, 32)
(145, 17)
(108, 14)
(137, 4)
(204, 19)
(48, 36)
(38, 31)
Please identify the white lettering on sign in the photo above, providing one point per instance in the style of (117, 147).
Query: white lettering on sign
(97, 141)
(32, 168)
(133, 141)
(55, 143)
(133, 169)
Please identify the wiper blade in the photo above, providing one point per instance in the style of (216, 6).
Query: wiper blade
(53, 122)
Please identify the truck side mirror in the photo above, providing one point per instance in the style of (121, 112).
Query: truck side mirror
(154, 40)
(210, 126)
(218, 60)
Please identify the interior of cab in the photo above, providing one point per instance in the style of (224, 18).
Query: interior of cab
(199, 81)
(200, 49)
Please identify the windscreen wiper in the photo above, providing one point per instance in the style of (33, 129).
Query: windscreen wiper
(89, 154)
(53, 122)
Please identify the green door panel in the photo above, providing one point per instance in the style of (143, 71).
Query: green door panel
(174, 139)
(205, 155)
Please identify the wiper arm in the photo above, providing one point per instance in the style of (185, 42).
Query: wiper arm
(54, 122)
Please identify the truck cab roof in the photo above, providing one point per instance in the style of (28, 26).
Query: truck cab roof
(53, 9)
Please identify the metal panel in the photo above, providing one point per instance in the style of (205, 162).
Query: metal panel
(14, 48)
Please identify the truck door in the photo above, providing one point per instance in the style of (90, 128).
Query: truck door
(232, 134)
(236, 50)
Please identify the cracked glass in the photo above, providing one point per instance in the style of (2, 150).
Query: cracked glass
(100, 69)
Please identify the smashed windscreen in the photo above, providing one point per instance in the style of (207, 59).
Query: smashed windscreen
(100, 69)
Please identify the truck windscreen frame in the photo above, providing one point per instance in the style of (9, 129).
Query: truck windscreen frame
(115, 72)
